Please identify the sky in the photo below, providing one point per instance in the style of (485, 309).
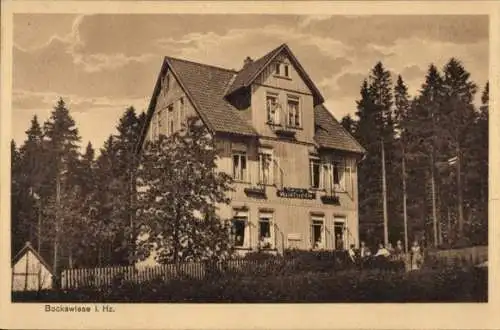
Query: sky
(102, 64)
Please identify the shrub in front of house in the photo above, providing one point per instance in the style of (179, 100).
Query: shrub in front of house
(427, 285)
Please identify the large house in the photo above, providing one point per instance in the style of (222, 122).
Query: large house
(293, 164)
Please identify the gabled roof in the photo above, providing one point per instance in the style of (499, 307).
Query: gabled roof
(29, 248)
(205, 86)
(331, 134)
(251, 71)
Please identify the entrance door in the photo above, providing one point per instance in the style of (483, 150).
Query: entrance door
(339, 225)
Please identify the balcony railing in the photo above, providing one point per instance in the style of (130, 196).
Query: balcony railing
(280, 122)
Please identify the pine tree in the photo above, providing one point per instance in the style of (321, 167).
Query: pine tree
(129, 130)
(459, 92)
(369, 170)
(62, 142)
(475, 164)
(401, 112)
(33, 166)
(381, 94)
(349, 124)
(180, 190)
(424, 145)
(18, 199)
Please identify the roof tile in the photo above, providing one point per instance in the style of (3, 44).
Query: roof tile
(331, 134)
(207, 85)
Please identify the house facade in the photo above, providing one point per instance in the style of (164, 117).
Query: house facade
(294, 166)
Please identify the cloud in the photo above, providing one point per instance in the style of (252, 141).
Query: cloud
(386, 30)
(27, 100)
(413, 72)
(103, 63)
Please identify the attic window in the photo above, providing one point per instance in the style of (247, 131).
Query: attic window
(277, 68)
(286, 70)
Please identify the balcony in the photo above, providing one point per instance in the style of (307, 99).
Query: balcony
(256, 191)
(280, 123)
(330, 199)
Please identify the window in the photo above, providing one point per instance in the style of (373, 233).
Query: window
(238, 229)
(277, 68)
(265, 232)
(240, 167)
(293, 111)
(339, 232)
(286, 70)
(265, 167)
(318, 233)
(271, 106)
(170, 119)
(315, 173)
(338, 176)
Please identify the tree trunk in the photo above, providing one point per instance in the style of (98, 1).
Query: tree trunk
(449, 225)
(405, 212)
(460, 193)
(39, 241)
(384, 193)
(56, 234)
(434, 206)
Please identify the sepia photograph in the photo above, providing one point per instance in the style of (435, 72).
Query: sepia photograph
(235, 164)
(249, 158)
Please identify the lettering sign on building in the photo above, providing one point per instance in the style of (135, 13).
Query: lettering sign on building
(298, 193)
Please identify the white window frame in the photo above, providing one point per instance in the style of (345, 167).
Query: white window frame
(286, 70)
(245, 217)
(315, 219)
(240, 155)
(269, 217)
(341, 169)
(312, 161)
(272, 109)
(298, 114)
(270, 178)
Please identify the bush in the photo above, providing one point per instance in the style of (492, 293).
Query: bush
(428, 285)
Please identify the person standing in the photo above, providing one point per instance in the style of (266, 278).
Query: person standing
(416, 256)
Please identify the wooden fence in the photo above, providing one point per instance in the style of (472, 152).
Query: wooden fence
(101, 277)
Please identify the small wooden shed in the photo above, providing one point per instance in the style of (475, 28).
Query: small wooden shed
(30, 272)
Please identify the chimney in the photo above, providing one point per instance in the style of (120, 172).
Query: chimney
(247, 61)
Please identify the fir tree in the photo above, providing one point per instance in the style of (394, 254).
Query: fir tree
(459, 92)
(369, 170)
(349, 124)
(62, 141)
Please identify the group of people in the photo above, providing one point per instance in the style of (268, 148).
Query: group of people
(413, 260)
